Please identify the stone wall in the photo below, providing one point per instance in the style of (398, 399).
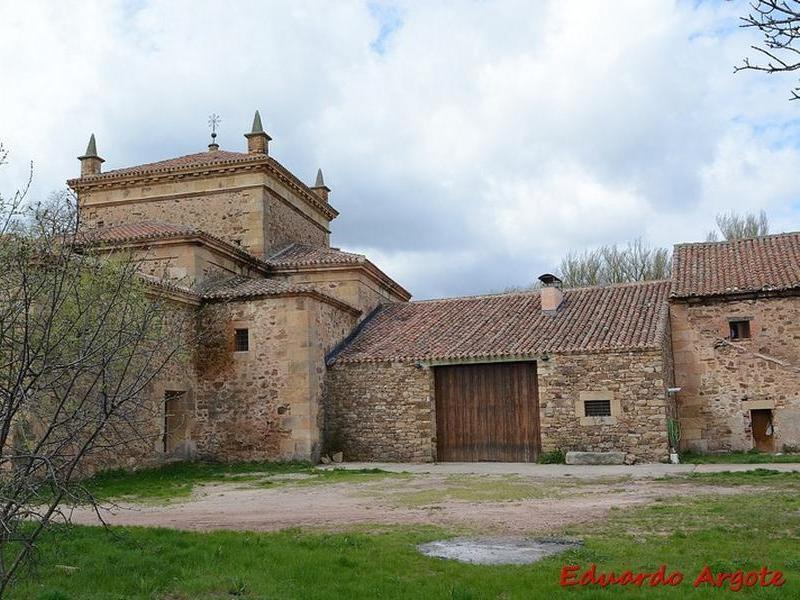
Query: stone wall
(721, 381)
(386, 411)
(254, 210)
(263, 404)
(380, 411)
(352, 286)
(284, 223)
(633, 381)
(189, 263)
(141, 429)
(233, 216)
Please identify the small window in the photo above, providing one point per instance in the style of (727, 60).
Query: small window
(597, 408)
(101, 224)
(740, 330)
(241, 341)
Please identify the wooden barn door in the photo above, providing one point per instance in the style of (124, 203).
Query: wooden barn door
(487, 412)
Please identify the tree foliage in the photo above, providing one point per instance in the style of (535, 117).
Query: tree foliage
(733, 226)
(81, 340)
(779, 23)
(636, 261)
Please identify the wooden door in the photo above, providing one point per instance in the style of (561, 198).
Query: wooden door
(763, 438)
(176, 419)
(487, 412)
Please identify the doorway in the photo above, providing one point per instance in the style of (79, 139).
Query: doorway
(487, 412)
(176, 419)
(763, 433)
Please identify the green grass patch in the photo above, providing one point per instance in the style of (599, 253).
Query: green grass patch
(776, 480)
(727, 533)
(177, 481)
(748, 458)
(554, 457)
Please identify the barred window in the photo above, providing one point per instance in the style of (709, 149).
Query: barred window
(241, 340)
(597, 408)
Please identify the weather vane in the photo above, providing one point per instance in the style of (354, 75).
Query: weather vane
(213, 120)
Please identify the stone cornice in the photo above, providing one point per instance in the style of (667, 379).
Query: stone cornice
(262, 163)
(736, 296)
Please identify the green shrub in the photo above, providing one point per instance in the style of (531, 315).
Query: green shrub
(554, 457)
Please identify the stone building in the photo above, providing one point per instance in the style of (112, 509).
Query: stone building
(735, 315)
(310, 349)
(244, 244)
(504, 377)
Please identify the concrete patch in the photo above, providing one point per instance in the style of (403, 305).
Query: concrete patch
(497, 551)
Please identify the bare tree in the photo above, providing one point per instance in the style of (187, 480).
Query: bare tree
(733, 226)
(636, 261)
(779, 22)
(81, 340)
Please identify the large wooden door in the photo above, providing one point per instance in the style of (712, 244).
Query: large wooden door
(487, 412)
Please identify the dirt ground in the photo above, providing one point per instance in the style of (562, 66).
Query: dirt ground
(484, 503)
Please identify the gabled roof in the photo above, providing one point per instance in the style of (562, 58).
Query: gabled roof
(597, 319)
(762, 264)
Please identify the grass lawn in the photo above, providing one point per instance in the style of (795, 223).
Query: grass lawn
(753, 526)
(748, 458)
(176, 481)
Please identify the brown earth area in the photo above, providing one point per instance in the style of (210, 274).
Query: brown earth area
(471, 503)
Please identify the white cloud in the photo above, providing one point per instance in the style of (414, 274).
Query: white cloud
(468, 144)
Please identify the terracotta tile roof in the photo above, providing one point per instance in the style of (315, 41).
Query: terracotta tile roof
(243, 287)
(219, 157)
(246, 287)
(297, 255)
(612, 318)
(301, 256)
(769, 263)
(143, 230)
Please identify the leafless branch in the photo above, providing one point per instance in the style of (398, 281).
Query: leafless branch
(779, 22)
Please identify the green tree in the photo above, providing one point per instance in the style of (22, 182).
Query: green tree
(82, 338)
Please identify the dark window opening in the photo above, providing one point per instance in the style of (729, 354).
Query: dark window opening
(740, 330)
(241, 341)
(597, 408)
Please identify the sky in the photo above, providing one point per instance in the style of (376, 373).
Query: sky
(468, 145)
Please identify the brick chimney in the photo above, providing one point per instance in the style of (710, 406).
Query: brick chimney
(90, 161)
(319, 187)
(257, 139)
(551, 294)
